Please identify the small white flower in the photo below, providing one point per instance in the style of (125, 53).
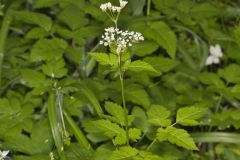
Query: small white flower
(103, 7)
(123, 3)
(216, 50)
(212, 60)
(3, 154)
(215, 55)
(109, 7)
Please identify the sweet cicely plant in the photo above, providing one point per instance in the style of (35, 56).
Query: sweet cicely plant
(125, 132)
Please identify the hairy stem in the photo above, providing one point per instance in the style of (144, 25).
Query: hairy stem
(3, 36)
(121, 74)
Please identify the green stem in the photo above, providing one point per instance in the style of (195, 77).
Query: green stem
(150, 146)
(3, 36)
(78, 133)
(121, 74)
(55, 127)
(148, 7)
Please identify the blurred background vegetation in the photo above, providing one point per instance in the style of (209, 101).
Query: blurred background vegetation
(46, 67)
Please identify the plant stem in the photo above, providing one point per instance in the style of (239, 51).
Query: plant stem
(148, 7)
(3, 36)
(150, 146)
(121, 74)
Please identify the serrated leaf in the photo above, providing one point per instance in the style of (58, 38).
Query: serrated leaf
(105, 59)
(35, 18)
(230, 73)
(161, 64)
(145, 48)
(211, 79)
(140, 119)
(138, 66)
(158, 115)
(176, 136)
(55, 68)
(73, 17)
(111, 130)
(34, 78)
(116, 111)
(36, 33)
(48, 49)
(188, 115)
(134, 134)
(124, 153)
(164, 36)
(136, 94)
(39, 142)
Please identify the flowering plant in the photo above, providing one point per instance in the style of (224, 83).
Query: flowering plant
(152, 83)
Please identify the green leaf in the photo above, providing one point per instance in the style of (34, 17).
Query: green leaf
(134, 134)
(136, 94)
(75, 54)
(35, 18)
(176, 136)
(230, 73)
(111, 130)
(236, 33)
(164, 36)
(34, 78)
(161, 64)
(82, 140)
(140, 119)
(73, 17)
(124, 153)
(44, 3)
(211, 79)
(39, 142)
(105, 59)
(144, 48)
(92, 98)
(35, 157)
(188, 115)
(48, 49)
(137, 6)
(55, 127)
(138, 66)
(216, 137)
(158, 115)
(116, 111)
(143, 155)
(36, 33)
(55, 68)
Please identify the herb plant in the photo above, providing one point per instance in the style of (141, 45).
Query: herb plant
(119, 80)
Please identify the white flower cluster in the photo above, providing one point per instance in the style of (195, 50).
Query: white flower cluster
(215, 55)
(122, 39)
(109, 7)
(3, 154)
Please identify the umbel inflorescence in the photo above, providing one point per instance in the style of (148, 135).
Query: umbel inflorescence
(108, 7)
(122, 39)
(113, 35)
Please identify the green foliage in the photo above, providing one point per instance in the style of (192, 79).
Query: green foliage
(164, 36)
(176, 136)
(138, 66)
(35, 18)
(158, 115)
(48, 49)
(188, 115)
(65, 94)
